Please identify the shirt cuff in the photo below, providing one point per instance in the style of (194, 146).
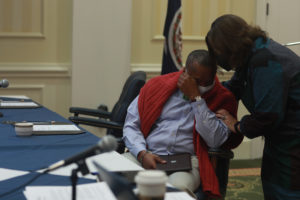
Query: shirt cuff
(136, 149)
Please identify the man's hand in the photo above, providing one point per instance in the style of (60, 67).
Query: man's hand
(188, 86)
(227, 118)
(150, 160)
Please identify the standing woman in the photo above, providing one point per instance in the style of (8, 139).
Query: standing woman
(267, 80)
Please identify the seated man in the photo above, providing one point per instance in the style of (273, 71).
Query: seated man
(174, 114)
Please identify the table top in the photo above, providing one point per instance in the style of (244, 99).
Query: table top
(38, 151)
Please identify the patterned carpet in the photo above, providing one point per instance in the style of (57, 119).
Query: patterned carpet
(244, 184)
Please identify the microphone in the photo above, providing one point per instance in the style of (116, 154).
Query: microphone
(4, 83)
(106, 144)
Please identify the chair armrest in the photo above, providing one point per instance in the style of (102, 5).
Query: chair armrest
(221, 153)
(103, 107)
(97, 122)
(90, 112)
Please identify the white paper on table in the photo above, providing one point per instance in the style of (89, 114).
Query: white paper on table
(178, 196)
(14, 96)
(90, 191)
(113, 161)
(18, 104)
(54, 127)
(10, 173)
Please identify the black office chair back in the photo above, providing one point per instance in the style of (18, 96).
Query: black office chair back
(130, 90)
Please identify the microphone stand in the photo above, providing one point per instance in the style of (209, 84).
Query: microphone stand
(1, 114)
(82, 167)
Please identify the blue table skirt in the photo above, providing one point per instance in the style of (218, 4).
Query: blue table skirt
(35, 152)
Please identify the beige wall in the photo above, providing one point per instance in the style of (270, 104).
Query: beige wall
(148, 20)
(101, 52)
(35, 50)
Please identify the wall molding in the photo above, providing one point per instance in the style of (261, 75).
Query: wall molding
(31, 34)
(22, 35)
(184, 38)
(151, 69)
(35, 70)
(147, 67)
(154, 69)
(26, 87)
(38, 90)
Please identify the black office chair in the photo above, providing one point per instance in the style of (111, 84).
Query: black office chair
(113, 120)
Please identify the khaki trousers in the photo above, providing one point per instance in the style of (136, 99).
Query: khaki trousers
(186, 181)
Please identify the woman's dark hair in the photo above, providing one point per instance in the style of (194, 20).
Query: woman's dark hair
(232, 37)
(202, 57)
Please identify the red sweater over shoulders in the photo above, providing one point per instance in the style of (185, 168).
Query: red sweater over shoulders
(154, 95)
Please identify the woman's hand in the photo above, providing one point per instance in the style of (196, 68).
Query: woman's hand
(227, 118)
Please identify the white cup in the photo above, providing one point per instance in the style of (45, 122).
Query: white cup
(151, 184)
(23, 128)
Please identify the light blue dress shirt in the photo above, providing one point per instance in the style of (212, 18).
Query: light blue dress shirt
(173, 131)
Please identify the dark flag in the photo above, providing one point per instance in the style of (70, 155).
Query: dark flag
(171, 61)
